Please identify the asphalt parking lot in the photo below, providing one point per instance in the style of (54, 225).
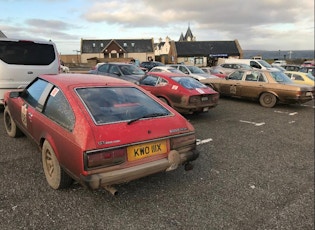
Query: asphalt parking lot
(255, 171)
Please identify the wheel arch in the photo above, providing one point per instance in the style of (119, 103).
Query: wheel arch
(51, 143)
(165, 99)
(268, 91)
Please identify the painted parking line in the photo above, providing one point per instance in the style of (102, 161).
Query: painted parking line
(286, 112)
(200, 142)
(253, 123)
(312, 106)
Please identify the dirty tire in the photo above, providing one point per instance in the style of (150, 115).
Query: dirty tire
(56, 177)
(9, 124)
(268, 100)
(164, 100)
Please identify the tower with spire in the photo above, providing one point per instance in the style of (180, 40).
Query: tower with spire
(189, 37)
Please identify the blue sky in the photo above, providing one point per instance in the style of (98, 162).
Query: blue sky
(257, 24)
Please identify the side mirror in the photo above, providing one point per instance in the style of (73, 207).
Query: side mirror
(15, 94)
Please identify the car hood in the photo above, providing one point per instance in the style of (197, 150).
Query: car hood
(122, 133)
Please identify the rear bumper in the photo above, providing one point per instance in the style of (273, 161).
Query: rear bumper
(174, 160)
(298, 100)
(192, 109)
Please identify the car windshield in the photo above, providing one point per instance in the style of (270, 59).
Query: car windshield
(280, 77)
(194, 69)
(264, 63)
(189, 83)
(131, 70)
(118, 104)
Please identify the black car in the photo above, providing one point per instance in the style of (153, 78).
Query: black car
(148, 65)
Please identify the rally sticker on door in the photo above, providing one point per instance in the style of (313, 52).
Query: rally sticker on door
(23, 114)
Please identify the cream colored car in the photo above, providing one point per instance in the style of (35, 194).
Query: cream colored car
(267, 87)
(301, 77)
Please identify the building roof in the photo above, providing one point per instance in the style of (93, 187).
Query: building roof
(188, 34)
(129, 45)
(207, 48)
(181, 38)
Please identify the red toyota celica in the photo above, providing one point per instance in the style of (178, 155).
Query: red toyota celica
(98, 130)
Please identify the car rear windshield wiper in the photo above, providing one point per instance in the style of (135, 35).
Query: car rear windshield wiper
(146, 116)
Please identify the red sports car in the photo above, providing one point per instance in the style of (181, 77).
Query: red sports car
(97, 130)
(183, 93)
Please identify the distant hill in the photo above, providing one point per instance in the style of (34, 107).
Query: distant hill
(282, 54)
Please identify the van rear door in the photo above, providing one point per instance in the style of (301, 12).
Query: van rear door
(23, 60)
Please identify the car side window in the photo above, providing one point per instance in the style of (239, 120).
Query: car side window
(162, 82)
(261, 78)
(59, 110)
(297, 77)
(254, 64)
(250, 77)
(34, 93)
(149, 80)
(103, 68)
(237, 75)
(114, 70)
(126, 70)
(183, 69)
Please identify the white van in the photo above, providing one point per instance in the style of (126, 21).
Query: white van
(23, 60)
(255, 63)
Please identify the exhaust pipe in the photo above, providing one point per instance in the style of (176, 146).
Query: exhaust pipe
(110, 189)
(188, 166)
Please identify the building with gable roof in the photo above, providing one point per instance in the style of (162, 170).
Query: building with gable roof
(191, 52)
(101, 50)
(186, 50)
(188, 36)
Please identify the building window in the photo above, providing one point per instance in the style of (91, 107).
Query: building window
(133, 44)
(125, 44)
(93, 44)
(199, 61)
(102, 44)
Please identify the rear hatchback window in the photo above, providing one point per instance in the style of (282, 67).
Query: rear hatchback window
(116, 104)
(26, 53)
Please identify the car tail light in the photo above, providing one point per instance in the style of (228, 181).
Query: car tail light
(183, 142)
(105, 158)
(204, 98)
